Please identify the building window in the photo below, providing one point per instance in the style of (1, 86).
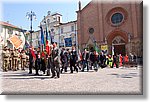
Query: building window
(62, 30)
(59, 19)
(117, 18)
(72, 28)
(52, 30)
(48, 21)
(10, 31)
(91, 30)
(54, 18)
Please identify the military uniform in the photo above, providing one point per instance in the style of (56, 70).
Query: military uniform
(18, 59)
(11, 60)
(55, 69)
(23, 60)
(15, 62)
(6, 56)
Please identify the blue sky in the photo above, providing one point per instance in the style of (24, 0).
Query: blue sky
(15, 12)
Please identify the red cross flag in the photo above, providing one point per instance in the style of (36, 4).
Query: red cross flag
(16, 42)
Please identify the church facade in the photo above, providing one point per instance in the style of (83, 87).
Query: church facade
(112, 26)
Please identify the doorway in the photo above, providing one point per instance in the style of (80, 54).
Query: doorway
(118, 45)
(119, 49)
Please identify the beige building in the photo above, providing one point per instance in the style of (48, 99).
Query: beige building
(65, 34)
(50, 21)
(7, 30)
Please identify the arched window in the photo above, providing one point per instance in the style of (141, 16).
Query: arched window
(117, 18)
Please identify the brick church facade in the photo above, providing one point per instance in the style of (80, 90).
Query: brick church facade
(119, 26)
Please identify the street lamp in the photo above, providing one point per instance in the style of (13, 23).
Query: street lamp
(31, 15)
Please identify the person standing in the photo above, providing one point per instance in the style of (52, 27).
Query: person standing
(110, 59)
(115, 61)
(11, 59)
(85, 56)
(18, 59)
(43, 61)
(126, 58)
(15, 59)
(31, 61)
(50, 60)
(120, 59)
(101, 59)
(73, 59)
(6, 56)
(56, 68)
(63, 59)
(23, 60)
(37, 62)
(68, 58)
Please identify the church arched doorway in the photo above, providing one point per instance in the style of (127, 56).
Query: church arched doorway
(118, 45)
(117, 42)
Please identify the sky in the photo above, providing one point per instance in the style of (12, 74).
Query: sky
(15, 11)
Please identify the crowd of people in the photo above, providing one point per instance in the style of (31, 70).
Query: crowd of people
(56, 62)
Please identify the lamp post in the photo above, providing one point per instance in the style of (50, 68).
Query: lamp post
(31, 15)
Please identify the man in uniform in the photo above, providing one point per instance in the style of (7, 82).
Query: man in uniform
(10, 59)
(5, 54)
(18, 59)
(56, 68)
(15, 56)
(23, 60)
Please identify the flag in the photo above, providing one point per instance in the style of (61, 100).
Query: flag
(42, 36)
(96, 48)
(79, 55)
(50, 37)
(16, 42)
(33, 54)
(47, 42)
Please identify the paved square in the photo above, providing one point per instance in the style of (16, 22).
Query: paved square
(105, 81)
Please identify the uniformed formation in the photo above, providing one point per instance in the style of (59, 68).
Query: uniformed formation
(11, 59)
(54, 63)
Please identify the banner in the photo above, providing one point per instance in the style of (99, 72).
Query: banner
(16, 42)
(104, 49)
(42, 36)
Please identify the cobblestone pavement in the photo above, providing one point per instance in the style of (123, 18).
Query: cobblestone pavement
(105, 81)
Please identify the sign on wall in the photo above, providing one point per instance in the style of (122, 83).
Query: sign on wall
(68, 42)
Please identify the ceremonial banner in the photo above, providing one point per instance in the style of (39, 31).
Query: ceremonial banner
(104, 49)
(16, 42)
